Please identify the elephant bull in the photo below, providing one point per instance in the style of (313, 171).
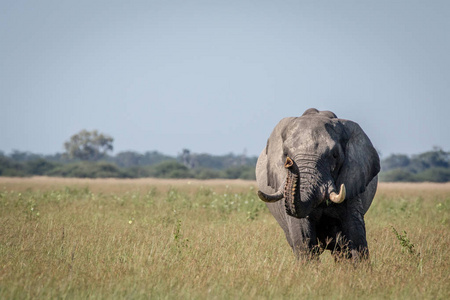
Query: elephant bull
(318, 176)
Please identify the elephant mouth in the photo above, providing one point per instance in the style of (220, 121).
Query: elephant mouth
(290, 191)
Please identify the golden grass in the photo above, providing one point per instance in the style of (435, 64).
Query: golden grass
(148, 238)
(116, 185)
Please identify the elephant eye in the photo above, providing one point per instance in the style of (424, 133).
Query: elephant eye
(334, 163)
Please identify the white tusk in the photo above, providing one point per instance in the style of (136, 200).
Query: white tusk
(338, 198)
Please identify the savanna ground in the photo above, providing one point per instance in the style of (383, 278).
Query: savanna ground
(169, 239)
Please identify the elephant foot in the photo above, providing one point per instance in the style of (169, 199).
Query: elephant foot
(356, 256)
(360, 254)
(344, 250)
(308, 253)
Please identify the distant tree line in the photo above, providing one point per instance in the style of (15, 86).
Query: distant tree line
(87, 156)
(433, 166)
(128, 164)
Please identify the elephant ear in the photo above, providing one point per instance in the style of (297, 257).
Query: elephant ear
(362, 162)
(274, 150)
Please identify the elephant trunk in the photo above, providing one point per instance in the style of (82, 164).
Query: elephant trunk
(270, 198)
(298, 201)
(303, 188)
(287, 189)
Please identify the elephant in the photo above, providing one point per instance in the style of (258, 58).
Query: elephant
(298, 173)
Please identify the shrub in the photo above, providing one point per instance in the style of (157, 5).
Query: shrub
(9, 167)
(434, 175)
(39, 167)
(89, 170)
(397, 175)
(170, 169)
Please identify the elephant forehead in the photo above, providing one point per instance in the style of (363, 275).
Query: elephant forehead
(314, 127)
(311, 134)
(317, 125)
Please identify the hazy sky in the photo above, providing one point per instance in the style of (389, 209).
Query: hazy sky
(217, 76)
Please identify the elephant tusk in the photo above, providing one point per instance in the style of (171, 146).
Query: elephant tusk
(270, 197)
(338, 198)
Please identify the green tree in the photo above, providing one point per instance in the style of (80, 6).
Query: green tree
(437, 158)
(20, 156)
(153, 158)
(9, 167)
(395, 161)
(399, 174)
(436, 174)
(171, 169)
(39, 166)
(88, 145)
(128, 159)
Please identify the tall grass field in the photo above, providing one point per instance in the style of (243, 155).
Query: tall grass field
(181, 239)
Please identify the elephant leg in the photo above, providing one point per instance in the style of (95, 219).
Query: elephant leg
(331, 237)
(302, 238)
(354, 230)
(340, 247)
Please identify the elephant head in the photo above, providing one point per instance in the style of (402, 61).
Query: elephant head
(317, 157)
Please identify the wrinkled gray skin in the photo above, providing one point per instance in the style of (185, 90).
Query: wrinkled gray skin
(326, 152)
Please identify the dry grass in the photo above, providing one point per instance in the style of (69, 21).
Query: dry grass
(114, 185)
(147, 238)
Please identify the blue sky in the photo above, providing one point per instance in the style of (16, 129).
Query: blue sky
(216, 76)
